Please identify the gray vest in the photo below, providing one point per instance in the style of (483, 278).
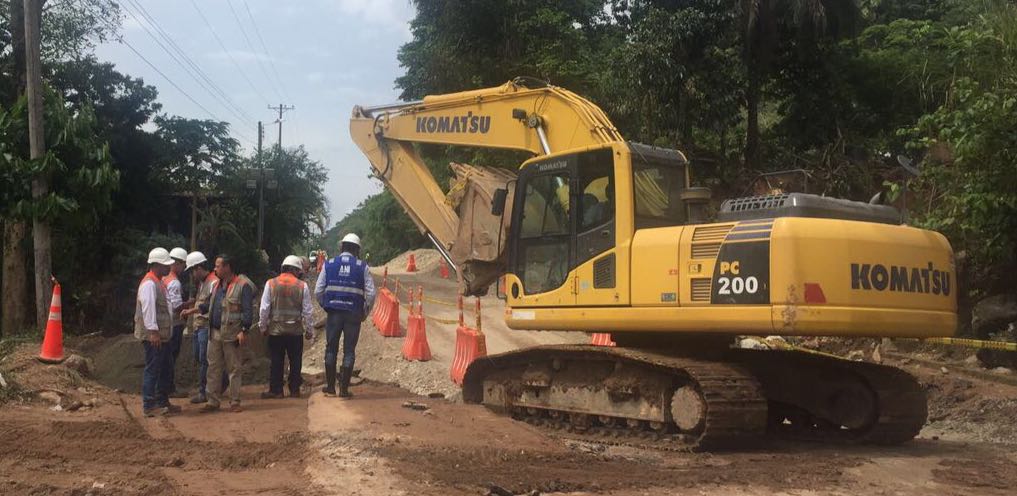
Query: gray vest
(285, 316)
(162, 313)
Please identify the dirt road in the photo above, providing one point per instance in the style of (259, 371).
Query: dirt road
(375, 445)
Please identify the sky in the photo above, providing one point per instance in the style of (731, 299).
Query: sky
(320, 56)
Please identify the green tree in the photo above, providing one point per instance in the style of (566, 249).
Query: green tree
(294, 204)
(969, 173)
(379, 245)
(69, 29)
(196, 157)
(463, 45)
(764, 22)
(82, 184)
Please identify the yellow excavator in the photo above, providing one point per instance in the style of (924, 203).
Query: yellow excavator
(597, 234)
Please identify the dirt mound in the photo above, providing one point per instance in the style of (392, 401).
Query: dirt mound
(380, 359)
(119, 362)
(427, 260)
(970, 408)
(23, 371)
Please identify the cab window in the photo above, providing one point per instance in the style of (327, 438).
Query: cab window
(545, 233)
(657, 192)
(596, 190)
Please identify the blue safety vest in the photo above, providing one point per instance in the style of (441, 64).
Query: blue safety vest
(344, 284)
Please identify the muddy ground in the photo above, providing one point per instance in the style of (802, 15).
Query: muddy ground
(374, 445)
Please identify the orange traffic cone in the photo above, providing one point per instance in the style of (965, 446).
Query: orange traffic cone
(53, 341)
(411, 266)
(443, 269)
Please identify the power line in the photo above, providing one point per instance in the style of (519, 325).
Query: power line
(250, 46)
(272, 64)
(227, 104)
(264, 46)
(226, 51)
(222, 96)
(120, 39)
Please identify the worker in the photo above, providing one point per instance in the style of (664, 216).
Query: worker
(200, 271)
(153, 327)
(345, 290)
(285, 317)
(175, 293)
(230, 314)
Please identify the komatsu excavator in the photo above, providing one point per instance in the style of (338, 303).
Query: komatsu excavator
(598, 234)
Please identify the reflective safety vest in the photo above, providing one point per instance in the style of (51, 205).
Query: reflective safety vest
(162, 313)
(232, 310)
(344, 284)
(204, 297)
(287, 300)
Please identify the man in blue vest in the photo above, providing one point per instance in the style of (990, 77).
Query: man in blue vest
(345, 290)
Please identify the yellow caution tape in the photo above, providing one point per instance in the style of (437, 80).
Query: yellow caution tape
(442, 321)
(972, 343)
(441, 302)
(429, 317)
(410, 293)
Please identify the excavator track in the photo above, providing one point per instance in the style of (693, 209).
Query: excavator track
(882, 404)
(727, 403)
(636, 397)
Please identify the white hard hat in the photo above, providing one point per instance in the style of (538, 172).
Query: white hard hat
(159, 256)
(195, 258)
(293, 261)
(352, 239)
(178, 254)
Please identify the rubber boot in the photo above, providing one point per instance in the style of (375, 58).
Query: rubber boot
(344, 382)
(329, 388)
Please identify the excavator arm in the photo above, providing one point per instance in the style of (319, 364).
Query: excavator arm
(540, 121)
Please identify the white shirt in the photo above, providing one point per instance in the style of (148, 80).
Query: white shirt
(266, 306)
(175, 295)
(146, 295)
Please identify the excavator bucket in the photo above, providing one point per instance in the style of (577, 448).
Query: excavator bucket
(479, 247)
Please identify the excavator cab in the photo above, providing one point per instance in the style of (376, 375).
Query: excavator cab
(574, 215)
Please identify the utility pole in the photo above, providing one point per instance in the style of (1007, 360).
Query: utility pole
(37, 147)
(261, 189)
(281, 108)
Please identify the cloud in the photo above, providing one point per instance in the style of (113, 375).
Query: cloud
(391, 14)
(239, 56)
(314, 77)
(131, 24)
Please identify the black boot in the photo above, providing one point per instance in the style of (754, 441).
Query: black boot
(344, 382)
(329, 388)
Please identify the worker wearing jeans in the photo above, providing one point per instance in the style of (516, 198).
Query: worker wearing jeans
(200, 270)
(152, 326)
(345, 290)
(175, 293)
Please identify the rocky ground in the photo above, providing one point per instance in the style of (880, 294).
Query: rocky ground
(76, 429)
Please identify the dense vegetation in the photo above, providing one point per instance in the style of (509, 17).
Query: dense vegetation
(126, 176)
(837, 87)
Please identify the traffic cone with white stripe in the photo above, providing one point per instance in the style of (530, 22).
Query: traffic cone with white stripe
(53, 342)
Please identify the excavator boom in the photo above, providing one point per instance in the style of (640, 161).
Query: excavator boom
(511, 116)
